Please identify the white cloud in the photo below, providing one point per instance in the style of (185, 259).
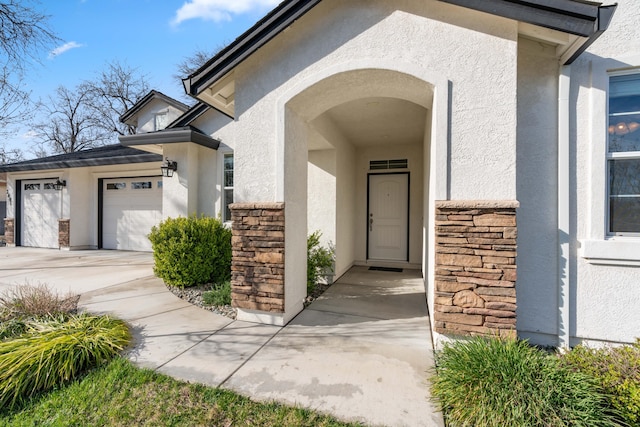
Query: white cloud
(29, 134)
(219, 10)
(62, 49)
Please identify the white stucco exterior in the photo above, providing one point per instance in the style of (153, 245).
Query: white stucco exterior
(481, 107)
(491, 132)
(607, 269)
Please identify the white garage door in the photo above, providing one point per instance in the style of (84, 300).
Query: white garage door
(131, 206)
(41, 205)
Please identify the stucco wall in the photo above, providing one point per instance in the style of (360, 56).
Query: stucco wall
(321, 198)
(483, 104)
(606, 290)
(146, 118)
(536, 182)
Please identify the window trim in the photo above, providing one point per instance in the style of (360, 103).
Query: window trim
(598, 246)
(617, 155)
(224, 188)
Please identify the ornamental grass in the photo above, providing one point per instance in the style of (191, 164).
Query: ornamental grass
(506, 382)
(52, 351)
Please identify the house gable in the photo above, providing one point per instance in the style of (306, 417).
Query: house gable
(580, 22)
(153, 112)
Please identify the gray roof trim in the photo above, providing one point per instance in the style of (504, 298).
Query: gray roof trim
(578, 17)
(170, 136)
(187, 118)
(108, 155)
(257, 36)
(575, 17)
(153, 94)
(605, 15)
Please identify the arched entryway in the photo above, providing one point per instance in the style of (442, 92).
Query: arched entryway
(353, 142)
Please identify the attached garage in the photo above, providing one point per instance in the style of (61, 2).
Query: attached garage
(106, 197)
(130, 207)
(41, 205)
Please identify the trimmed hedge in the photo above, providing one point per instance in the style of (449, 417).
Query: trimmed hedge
(191, 251)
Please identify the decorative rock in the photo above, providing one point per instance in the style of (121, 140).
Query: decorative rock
(468, 299)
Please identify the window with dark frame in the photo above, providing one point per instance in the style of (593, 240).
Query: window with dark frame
(623, 155)
(227, 191)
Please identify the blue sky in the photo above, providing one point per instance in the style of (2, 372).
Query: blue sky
(151, 35)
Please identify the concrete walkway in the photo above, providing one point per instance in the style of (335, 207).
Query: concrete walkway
(361, 352)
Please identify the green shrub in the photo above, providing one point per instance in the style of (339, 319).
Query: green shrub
(191, 251)
(53, 351)
(219, 295)
(506, 382)
(617, 369)
(319, 260)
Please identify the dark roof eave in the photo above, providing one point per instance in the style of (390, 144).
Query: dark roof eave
(64, 164)
(605, 15)
(574, 17)
(567, 16)
(264, 30)
(188, 117)
(170, 136)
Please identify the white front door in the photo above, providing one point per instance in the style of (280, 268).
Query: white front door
(131, 206)
(41, 205)
(388, 217)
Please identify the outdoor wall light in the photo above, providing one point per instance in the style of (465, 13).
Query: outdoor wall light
(168, 167)
(59, 184)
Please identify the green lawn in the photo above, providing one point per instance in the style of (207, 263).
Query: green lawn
(119, 394)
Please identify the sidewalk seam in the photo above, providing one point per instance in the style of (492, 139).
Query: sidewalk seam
(251, 356)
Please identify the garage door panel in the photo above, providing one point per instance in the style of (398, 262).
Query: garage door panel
(41, 205)
(131, 207)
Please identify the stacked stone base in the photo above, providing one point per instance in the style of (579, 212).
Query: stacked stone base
(257, 265)
(64, 229)
(64, 232)
(9, 231)
(475, 275)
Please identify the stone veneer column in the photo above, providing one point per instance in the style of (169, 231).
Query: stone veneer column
(63, 232)
(9, 231)
(475, 275)
(257, 265)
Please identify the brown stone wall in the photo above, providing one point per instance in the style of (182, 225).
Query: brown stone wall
(257, 265)
(475, 277)
(63, 232)
(9, 231)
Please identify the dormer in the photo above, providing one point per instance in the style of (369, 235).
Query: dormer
(153, 112)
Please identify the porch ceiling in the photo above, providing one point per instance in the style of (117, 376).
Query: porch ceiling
(379, 121)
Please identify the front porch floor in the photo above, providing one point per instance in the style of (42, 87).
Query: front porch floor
(362, 351)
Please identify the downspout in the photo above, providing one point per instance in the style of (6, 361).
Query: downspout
(564, 295)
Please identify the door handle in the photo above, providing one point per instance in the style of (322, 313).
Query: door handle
(370, 224)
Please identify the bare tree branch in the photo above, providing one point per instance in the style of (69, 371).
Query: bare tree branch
(24, 36)
(116, 89)
(70, 124)
(10, 155)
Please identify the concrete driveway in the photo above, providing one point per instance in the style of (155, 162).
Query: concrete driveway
(361, 352)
